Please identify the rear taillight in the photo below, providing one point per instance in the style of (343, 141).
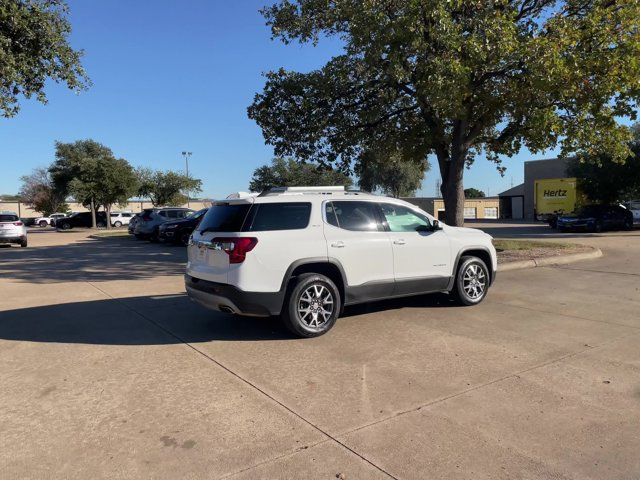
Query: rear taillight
(18, 224)
(236, 247)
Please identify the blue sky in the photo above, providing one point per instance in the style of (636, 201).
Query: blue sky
(170, 76)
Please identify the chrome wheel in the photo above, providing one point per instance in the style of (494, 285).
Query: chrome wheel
(474, 281)
(315, 306)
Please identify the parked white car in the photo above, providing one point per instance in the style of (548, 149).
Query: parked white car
(634, 207)
(119, 219)
(305, 252)
(12, 229)
(50, 220)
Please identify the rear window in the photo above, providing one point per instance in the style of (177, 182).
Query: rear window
(8, 218)
(225, 217)
(278, 216)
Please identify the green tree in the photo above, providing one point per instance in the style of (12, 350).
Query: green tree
(34, 47)
(390, 174)
(473, 193)
(76, 171)
(38, 192)
(117, 182)
(452, 79)
(166, 188)
(605, 180)
(289, 173)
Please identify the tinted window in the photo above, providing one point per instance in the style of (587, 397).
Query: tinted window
(403, 219)
(278, 216)
(163, 213)
(225, 217)
(127, 215)
(9, 218)
(358, 216)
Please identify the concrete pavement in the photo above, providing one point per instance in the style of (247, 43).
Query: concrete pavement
(108, 371)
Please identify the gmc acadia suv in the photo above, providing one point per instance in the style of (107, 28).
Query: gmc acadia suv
(305, 252)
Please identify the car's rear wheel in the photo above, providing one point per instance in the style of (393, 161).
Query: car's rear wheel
(472, 281)
(628, 224)
(155, 235)
(117, 224)
(24, 243)
(43, 223)
(312, 306)
(598, 227)
(183, 238)
(65, 226)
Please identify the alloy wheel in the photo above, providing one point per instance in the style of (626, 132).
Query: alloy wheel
(474, 281)
(315, 306)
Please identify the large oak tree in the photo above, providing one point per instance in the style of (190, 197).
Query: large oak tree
(454, 78)
(34, 48)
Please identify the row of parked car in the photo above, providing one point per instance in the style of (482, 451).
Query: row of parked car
(66, 221)
(170, 224)
(596, 218)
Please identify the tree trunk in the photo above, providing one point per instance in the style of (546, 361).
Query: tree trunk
(93, 214)
(452, 188)
(107, 209)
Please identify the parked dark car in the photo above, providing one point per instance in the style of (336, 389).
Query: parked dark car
(179, 231)
(596, 218)
(81, 219)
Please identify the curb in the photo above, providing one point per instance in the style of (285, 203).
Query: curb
(546, 261)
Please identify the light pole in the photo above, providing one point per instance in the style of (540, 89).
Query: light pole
(186, 156)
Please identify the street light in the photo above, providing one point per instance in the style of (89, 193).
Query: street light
(186, 156)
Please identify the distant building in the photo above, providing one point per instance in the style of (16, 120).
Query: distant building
(525, 193)
(474, 208)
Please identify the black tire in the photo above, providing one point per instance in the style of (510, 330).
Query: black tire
(65, 226)
(300, 325)
(24, 243)
(471, 268)
(43, 223)
(598, 227)
(117, 224)
(628, 224)
(182, 238)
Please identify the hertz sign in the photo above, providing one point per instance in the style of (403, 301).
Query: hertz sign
(553, 195)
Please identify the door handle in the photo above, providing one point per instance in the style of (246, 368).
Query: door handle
(338, 244)
(400, 241)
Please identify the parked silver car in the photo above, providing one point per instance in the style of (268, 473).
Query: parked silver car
(12, 229)
(148, 223)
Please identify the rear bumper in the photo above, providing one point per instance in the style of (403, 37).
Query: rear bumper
(13, 239)
(227, 298)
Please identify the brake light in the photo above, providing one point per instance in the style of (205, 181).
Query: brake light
(18, 224)
(236, 247)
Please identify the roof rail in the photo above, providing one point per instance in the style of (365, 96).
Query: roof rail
(329, 190)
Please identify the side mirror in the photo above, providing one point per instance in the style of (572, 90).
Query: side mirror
(436, 225)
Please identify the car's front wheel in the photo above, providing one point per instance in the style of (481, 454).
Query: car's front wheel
(43, 223)
(65, 226)
(472, 281)
(117, 224)
(312, 307)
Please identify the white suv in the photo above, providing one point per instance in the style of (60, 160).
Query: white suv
(305, 252)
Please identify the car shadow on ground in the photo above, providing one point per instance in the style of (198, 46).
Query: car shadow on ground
(92, 260)
(161, 320)
(152, 320)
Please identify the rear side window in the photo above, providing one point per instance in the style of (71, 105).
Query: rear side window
(9, 218)
(356, 216)
(225, 217)
(278, 216)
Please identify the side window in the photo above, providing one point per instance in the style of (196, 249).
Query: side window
(356, 216)
(403, 219)
(126, 215)
(279, 216)
(162, 213)
(172, 214)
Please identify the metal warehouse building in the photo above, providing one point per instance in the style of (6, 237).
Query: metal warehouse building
(518, 202)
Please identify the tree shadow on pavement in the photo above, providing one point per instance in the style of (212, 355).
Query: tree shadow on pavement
(92, 260)
(153, 320)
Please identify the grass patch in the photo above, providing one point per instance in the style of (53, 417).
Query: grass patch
(504, 245)
(111, 233)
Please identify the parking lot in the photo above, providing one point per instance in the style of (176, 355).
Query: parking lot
(109, 371)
